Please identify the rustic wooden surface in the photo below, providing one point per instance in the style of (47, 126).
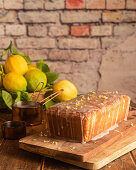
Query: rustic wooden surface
(116, 150)
(77, 151)
(13, 158)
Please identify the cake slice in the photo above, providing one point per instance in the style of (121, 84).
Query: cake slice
(87, 116)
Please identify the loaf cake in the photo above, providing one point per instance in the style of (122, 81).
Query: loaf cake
(86, 116)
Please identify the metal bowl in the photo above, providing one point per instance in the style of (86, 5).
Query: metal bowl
(30, 112)
(14, 129)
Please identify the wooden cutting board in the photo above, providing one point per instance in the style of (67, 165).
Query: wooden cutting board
(92, 155)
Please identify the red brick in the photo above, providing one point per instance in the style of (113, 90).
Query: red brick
(80, 30)
(131, 4)
(115, 4)
(75, 4)
(95, 4)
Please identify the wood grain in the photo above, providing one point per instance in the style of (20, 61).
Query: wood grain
(25, 161)
(11, 157)
(111, 153)
(77, 151)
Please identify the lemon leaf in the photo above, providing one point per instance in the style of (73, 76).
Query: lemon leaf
(7, 49)
(7, 99)
(25, 96)
(16, 52)
(18, 98)
(1, 99)
(49, 104)
(51, 77)
(27, 58)
(43, 66)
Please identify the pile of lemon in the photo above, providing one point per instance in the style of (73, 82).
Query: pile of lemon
(20, 76)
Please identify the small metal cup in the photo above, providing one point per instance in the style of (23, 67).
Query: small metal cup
(14, 129)
(30, 112)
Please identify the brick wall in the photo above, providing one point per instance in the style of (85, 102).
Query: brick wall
(72, 35)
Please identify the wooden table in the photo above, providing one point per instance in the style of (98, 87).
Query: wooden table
(13, 158)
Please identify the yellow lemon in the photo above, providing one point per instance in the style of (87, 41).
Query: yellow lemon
(16, 63)
(70, 91)
(13, 82)
(33, 78)
(0, 79)
(31, 66)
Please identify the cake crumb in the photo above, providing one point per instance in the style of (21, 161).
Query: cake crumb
(93, 92)
(118, 132)
(72, 148)
(34, 139)
(102, 104)
(55, 143)
(46, 141)
(41, 134)
(102, 97)
(132, 124)
(67, 107)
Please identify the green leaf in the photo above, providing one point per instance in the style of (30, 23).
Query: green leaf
(3, 53)
(44, 89)
(28, 60)
(7, 98)
(49, 86)
(16, 52)
(49, 104)
(51, 77)
(25, 96)
(7, 49)
(1, 99)
(18, 98)
(43, 66)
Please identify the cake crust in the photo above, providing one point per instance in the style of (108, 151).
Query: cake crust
(86, 116)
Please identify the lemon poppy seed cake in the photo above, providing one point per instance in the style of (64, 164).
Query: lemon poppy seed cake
(87, 116)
